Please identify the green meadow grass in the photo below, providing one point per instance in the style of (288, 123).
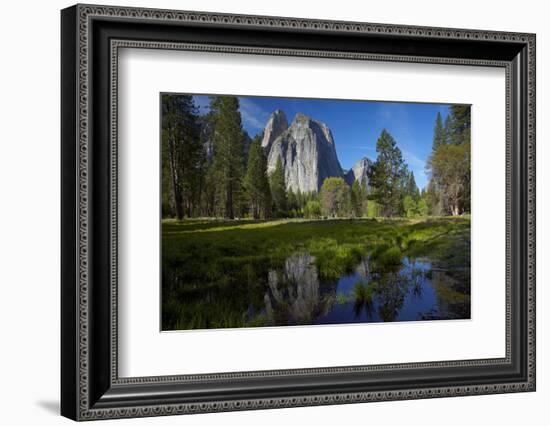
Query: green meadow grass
(231, 256)
(206, 247)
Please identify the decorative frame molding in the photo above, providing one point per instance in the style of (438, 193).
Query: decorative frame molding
(91, 37)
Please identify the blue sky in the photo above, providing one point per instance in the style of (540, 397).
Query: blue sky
(355, 125)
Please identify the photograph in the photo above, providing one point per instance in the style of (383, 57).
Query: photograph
(269, 208)
(291, 211)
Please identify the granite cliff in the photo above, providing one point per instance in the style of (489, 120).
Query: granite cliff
(306, 149)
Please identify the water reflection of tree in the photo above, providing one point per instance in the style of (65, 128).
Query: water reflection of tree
(390, 293)
(453, 296)
(417, 278)
(368, 305)
(392, 285)
(257, 294)
(234, 300)
(295, 294)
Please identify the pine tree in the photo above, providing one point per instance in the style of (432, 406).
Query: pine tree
(410, 186)
(460, 124)
(300, 201)
(388, 173)
(292, 203)
(278, 189)
(208, 199)
(258, 194)
(411, 194)
(447, 129)
(439, 132)
(356, 199)
(228, 158)
(182, 154)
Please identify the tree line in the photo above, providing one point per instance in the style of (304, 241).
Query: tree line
(394, 192)
(449, 165)
(211, 168)
(393, 189)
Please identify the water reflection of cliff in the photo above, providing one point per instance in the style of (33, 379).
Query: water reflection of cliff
(295, 294)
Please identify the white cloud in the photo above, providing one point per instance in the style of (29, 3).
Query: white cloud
(363, 147)
(418, 166)
(384, 112)
(413, 160)
(253, 115)
(394, 114)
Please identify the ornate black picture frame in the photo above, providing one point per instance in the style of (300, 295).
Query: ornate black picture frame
(91, 387)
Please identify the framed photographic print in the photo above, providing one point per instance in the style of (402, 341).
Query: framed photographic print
(263, 212)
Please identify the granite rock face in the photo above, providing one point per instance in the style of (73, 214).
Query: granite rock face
(276, 125)
(360, 172)
(306, 149)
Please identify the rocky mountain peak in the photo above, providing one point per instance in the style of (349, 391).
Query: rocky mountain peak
(276, 125)
(301, 118)
(304, 121)
(307, 151)
(359, 172)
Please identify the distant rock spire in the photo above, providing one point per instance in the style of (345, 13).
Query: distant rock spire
(360, 172)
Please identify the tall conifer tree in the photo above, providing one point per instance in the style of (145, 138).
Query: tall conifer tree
(182, 153)
(389, 171)
(439, 132)
(460, 124)
(411, 188)
(228, 161)
(256, 183)
(278, 188)
(357, 199)
(447, 129)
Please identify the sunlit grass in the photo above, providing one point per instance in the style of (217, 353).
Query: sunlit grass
(205, 226)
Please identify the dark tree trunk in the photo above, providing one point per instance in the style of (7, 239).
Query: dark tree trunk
(229, 203)
(176, 193)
